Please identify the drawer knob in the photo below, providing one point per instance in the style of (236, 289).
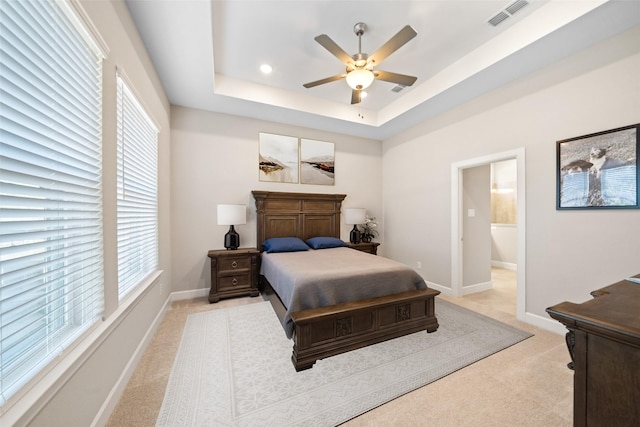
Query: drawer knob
(234, 282)
(234, 264)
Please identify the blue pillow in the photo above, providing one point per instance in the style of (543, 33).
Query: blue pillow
(284, 244)
(325, 242)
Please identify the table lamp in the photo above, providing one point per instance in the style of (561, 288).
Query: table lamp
(232, 215)
(355, 216)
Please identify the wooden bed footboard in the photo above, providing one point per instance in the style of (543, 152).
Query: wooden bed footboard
(328, 331)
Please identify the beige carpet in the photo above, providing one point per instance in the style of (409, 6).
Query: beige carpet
(233, 369)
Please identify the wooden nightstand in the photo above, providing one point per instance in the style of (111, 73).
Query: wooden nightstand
(371, 247)
(234, 273)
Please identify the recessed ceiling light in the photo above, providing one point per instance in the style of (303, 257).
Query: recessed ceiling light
(363, 94)
(266, 68)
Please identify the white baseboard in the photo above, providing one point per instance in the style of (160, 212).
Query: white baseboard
(505, 265)
(443, 289)
(478, 287)
(183, 295)
(545, 323)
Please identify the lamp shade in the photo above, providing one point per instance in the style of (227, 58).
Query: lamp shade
(360, 78)
(232, 214)
(355, 216)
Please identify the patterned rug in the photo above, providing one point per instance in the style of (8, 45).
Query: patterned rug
(233, 368)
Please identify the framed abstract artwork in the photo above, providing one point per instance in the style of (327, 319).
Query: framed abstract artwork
(278, 158)
(317, 162)
(599, 170)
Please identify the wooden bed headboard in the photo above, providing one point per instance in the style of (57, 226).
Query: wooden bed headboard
(302, 215)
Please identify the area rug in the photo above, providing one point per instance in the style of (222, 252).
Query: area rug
(233, 368)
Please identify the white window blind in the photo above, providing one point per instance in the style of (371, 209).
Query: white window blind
(137, 192)
(51, 271)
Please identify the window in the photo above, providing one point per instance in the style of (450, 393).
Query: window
(137, 192)
(51, 271)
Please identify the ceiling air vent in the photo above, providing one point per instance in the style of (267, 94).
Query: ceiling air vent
(501, 16)
(397, 88)
(516, 6)
(507, 12)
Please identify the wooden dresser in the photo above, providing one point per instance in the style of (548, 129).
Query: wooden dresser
(604, 345)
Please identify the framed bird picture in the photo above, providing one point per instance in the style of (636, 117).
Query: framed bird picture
(599, 170)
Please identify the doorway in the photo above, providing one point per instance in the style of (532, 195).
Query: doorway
(458, 216)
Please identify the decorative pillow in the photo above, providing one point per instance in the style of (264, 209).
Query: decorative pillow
(325, 242)
(284, 244)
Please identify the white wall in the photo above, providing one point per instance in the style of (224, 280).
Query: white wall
(214, 159)
(504, 246)
(84, 383)
(566, 258)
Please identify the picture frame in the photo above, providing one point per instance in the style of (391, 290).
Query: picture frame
(278, 158)
(599, 170)
(290, 159)
(317, 162)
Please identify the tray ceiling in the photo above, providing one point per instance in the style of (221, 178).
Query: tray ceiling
(208, 53)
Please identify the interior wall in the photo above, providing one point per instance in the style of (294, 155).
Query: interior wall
(78, 390)
(504, 180)
(594, 90)
(215, 160)
(504, 246)
(476, 230)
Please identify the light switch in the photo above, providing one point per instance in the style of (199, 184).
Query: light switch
(471, 212)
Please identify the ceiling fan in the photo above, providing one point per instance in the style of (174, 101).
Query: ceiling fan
(360, 73)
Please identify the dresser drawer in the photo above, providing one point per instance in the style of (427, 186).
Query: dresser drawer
(234, 263)
(236, 281)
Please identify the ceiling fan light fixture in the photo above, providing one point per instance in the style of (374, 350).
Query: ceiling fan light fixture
(360, 78)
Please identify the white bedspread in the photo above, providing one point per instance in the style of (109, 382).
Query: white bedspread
(319, 278)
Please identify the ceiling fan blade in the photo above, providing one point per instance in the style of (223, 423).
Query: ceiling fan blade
(323, 81)
(401, 79)
(355, 96)
(393, 44)
(332, 47)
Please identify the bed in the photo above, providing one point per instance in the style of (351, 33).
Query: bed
(326, 331)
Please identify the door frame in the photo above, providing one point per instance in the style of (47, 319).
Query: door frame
(457, 221)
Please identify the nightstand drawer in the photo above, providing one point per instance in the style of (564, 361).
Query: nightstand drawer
(234, 263)
(237, 281)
